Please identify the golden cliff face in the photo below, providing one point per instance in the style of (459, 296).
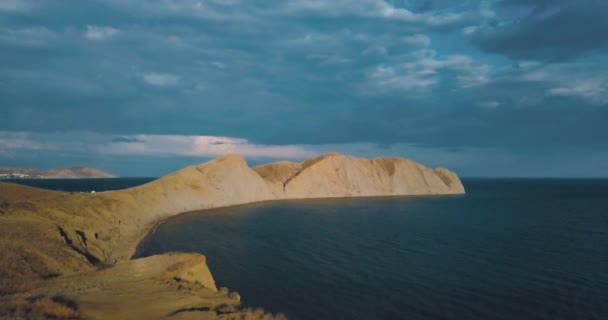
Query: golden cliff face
(72, 244)
(335, 175)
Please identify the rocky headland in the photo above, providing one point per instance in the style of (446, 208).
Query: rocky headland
(59, 173)
(69, 255)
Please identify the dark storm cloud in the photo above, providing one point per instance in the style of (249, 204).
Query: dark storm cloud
(438, 79)
(548, 31)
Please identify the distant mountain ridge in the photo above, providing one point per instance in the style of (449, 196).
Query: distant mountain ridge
(59, 173)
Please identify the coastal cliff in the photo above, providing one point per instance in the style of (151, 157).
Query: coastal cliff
(72, 252)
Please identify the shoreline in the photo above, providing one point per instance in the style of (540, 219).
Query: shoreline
(152, 229)
(69, 243)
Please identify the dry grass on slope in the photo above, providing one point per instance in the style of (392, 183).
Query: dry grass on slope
(39, 307)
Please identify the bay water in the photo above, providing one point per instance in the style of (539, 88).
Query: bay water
(508, 249)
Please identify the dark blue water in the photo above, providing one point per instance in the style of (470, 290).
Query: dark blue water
(509, 249)
(82, 185)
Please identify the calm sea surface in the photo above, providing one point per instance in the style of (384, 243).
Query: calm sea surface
(509, 249)
(81, 185)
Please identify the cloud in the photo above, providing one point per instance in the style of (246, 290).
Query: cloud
(145, 145)
(534, 4)
(14, 6)
(418, 40)
(585, 81)
(126, 139)
(161, 79)
(100, 32)
(376, 9)
(593, 90)
(161, 154)
(79, 144)
(227, 2)
(12, 141)
(34, 36)
(404, 78)
(551, 31)
(220, 10)
(218, 65)
(489, 105)
(329, 59)
(373, 78)
(315, 39)
(423, 71)
(201, 146)
(146, 148)
(208, 145)
(235, 10)
(470, 30)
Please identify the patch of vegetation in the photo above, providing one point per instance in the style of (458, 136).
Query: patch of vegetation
(40, 307)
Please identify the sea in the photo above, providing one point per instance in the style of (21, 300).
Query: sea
(82, 185)
(508, 249)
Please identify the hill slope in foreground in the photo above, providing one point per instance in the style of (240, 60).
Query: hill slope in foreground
(68, 255)
(60, 173)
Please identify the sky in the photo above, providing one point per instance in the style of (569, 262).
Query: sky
(504, 88)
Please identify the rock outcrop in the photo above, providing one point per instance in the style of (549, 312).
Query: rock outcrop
(335, 175)
(79, 246)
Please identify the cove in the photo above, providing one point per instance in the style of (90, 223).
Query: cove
(510, 249)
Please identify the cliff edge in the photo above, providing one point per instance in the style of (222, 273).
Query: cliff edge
(72, 251)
